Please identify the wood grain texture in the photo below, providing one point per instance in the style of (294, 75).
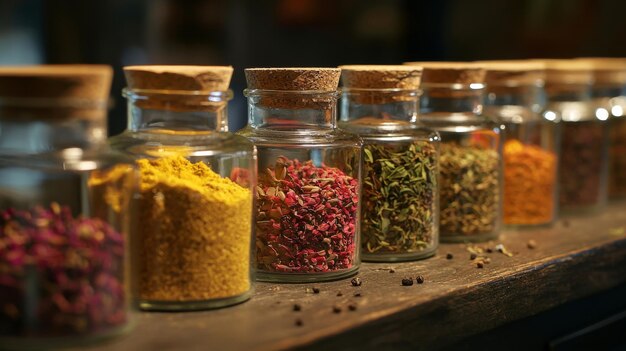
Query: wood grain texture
(573, 259)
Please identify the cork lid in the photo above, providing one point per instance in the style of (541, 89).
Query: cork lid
(388, 83)
(179, 78)
(293, 79)
(567, 71)
(607, 70)
(55, 91)
(513, 72)
(179, 88)
(381, 76)
(450, 72)
(289, 80)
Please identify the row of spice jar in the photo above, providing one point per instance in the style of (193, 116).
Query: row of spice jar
(181, 197)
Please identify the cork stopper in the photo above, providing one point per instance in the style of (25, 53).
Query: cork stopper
(406, 79)
(178, 88)
(567, 71)
(381, 77)
(55, 91)
(607, 70)
(513, 73)
(283, 82)
(450, 72)
(180, 78)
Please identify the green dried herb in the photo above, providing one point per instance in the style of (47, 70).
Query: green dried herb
(470, 190)
(399, 197)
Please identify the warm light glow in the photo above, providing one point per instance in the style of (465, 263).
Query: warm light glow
(572, 115)
(72, 153)
(602, 114)
(617, 111)
(81, 165)
(550, 115)
(477, 86)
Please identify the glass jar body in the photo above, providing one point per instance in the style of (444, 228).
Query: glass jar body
(470, 183)
(64, 234)
(195, 204)
(308, 191)
(470, 180)
(584, 155)
(400, 209)
(530, 155)
(617, 151)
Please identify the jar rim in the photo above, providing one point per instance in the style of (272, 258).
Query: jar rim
(143, 94)
(415, 91)
(258, 92)
(64, 103)
(515, 84)
(477, 86)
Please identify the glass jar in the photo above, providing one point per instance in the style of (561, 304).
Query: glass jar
(400, 209)
(470, 180)
(617, 140)
(308, 192)
(195, 202)
(609, 92)
(64, 272)
(515, 97)
(584, 140)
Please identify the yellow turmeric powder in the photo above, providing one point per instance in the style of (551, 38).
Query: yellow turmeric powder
(529, 184)
(195, 232)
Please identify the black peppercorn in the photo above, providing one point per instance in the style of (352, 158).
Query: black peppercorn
(316, 290)
(352, 307)
(339, 293)
(356, 281)
(419, 279)
(479, 265)
(449, 256)
(336, 309)
(392, 270)
(299, 322)
(297, 307)
(473, 256)
(407, 281)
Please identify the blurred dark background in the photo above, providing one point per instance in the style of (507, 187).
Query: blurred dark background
(247, 33)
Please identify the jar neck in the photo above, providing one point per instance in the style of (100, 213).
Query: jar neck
(32, 126)
(451, 98)
(531, 97)
(280, 110)
(601, 91)
(177, 110)
(379, 104)
(563, 92)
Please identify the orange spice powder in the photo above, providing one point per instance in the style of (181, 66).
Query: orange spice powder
(529, 184)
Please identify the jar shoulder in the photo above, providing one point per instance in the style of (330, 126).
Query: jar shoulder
(301, 137)
(196, 143)
(67, 160)
(416, 132)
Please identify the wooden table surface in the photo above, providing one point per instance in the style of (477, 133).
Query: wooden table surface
(577, 257)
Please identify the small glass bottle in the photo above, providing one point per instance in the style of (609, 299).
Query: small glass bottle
(515, 97)
(609, 90)
(64, 271)
(470, 180)
(195, 201)
(584, 139)
(400, 196)
(308, 193)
